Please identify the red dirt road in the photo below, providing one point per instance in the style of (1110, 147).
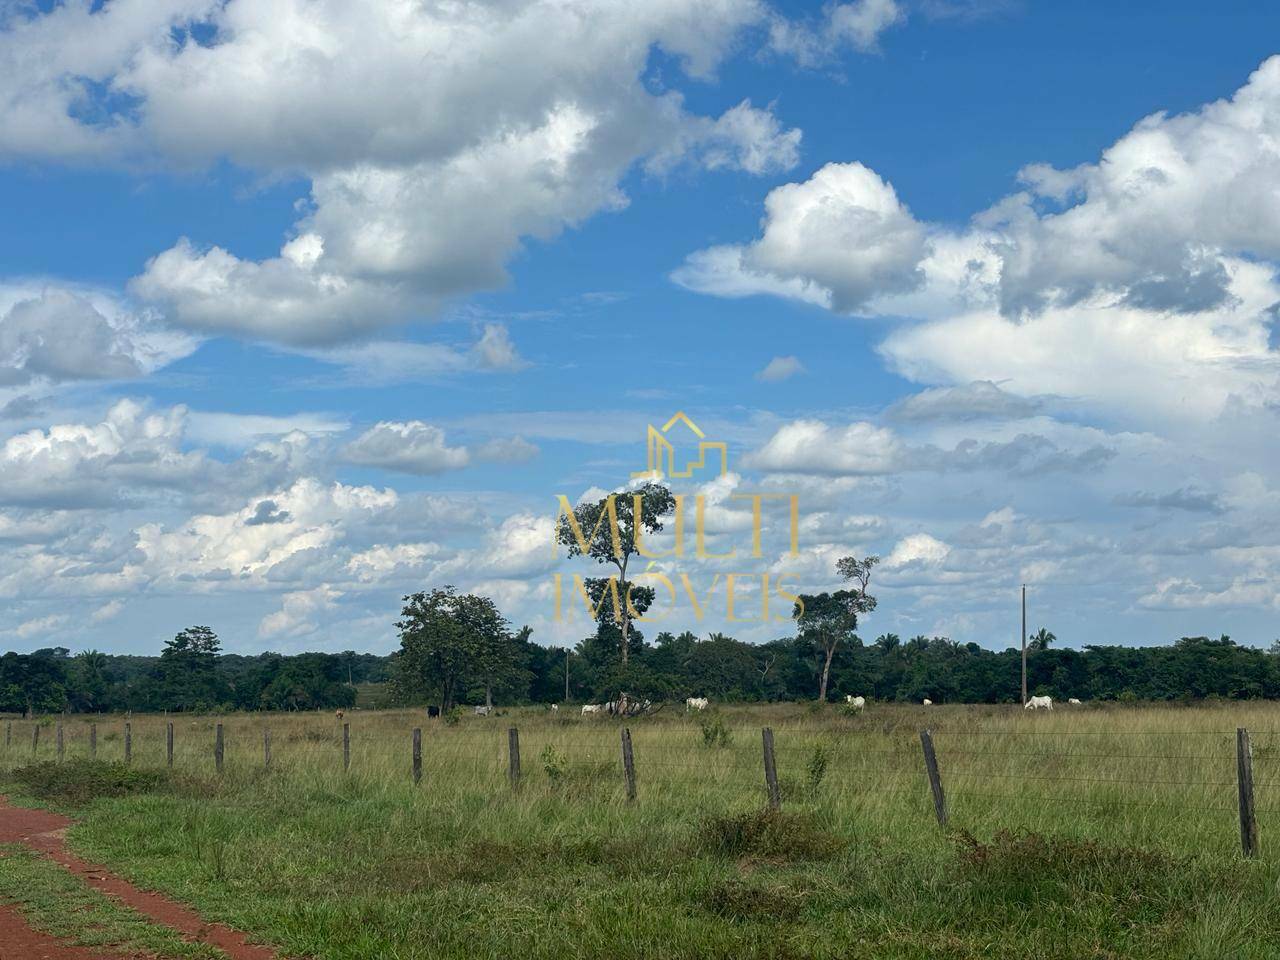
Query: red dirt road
(46, 833)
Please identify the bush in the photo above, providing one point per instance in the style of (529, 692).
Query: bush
(714, 732)
(816, 769)
(77, 782)
(554, 763)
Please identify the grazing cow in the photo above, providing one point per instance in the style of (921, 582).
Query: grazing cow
(555, 707)
(927, 702)
(338, 714)
(433, 712)
(856, 702)
(696, 703)
(483, 711)
(590, 708)
(1074, 702)
(1039, 703)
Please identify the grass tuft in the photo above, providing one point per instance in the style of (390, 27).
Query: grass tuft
(737, 899)
(768, 835)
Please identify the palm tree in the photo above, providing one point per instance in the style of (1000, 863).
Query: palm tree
(888, 642)
(1041, 639)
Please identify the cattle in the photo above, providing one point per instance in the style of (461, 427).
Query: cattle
(696, 703)
(433, 711)
(338, 714)
(1074, 702)
(590, 708)
(856, 702)
(927, 702)
(1039, 703)
(555, 707)
(483, 711)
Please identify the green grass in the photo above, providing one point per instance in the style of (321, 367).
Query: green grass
(1097, 833)
(55, 902)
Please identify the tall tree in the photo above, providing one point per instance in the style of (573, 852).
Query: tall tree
(828, 618)
(612, 531)
(450, 641)
(187, 672)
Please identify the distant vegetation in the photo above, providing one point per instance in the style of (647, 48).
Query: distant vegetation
(190, 675)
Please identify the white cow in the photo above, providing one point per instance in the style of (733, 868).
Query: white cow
(483, 711)
(856, 702)
(590, 708)
(696, 703)
(1039, 703)
(1074, 702)
(927, 702)
(555, 707)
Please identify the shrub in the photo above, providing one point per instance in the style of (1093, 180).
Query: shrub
(816, 769)
(77, 782)
(554, 763)
(714, 732)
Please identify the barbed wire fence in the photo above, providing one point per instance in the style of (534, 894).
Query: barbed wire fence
(962, 768)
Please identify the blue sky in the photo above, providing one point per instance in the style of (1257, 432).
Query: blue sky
(303, 314)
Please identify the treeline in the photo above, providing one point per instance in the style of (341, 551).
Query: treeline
(889, 668)
(192, 675)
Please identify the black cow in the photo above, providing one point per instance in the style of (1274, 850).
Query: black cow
(433, 711)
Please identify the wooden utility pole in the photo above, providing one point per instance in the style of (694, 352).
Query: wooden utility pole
(566, 674)
(1024, 644)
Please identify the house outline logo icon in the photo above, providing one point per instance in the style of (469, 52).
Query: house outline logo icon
(659, 447)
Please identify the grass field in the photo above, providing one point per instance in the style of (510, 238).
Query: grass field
(1093, 832)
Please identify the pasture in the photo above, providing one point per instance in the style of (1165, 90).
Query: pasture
(1086, 832)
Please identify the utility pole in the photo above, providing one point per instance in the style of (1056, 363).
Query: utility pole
(1024, 644)
(566, 674)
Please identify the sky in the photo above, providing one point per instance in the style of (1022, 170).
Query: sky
(305, 306)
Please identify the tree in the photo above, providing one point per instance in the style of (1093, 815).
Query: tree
(1041, 639)
(451, 641)
(187, 675)
(824, 620)
(827, 618)
(611, 531)
(88, 681)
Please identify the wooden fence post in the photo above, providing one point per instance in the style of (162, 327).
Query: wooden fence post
(35, 739)
(128, 742)
(168, 744)
(935, 781)
(266, 747)
(93, 739)
(513, 751)
(1244, 778)
(417, 755)
(59, 743)
(8, 734)
(628, 763)
(770, 770)
(217, 748)
(346, 747)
